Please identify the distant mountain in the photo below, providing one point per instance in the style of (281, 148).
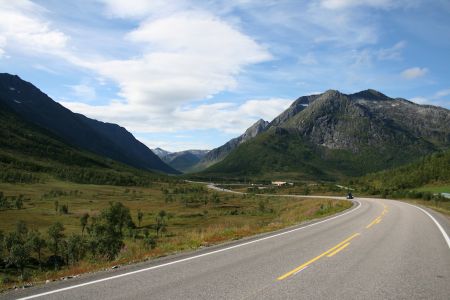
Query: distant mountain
(29, 154)
(218, 154)
(104, 139)
(334, 135)
(160, 152)
(182, 160)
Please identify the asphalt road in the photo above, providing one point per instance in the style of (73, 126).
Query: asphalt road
(380, 249)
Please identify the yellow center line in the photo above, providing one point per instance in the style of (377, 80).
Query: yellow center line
(338, 250)
(317, 257)
(379, 218)
(376, 221)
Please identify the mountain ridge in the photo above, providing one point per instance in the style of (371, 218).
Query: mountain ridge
(32, 154)
(105, 139)
(341, 134)
(182, 161)
(217, 154)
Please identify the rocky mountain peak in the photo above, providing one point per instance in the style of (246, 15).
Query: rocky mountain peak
(370, 94)
(160, 152)
(255, 129)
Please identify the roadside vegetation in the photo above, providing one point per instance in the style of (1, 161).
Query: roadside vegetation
(290, 188)
(421, 182)
(59, 229)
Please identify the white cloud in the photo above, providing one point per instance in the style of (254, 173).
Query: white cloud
(391, 53)
(182, 57)
(343, 27)
(415, 72)
(442, 93)
(23, 29)
(226, 116)
(141, 8)
(342, 4)
(187, 56)
(44, 68)
(420, 100)
(83, 92)
(439, 98)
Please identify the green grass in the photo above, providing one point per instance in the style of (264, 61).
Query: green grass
(190, 226)
(297, 188)
(439, 206)
(445, 188)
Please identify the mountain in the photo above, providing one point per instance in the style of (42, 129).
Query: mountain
(104, 139)
(334, 135)
(217, 154)
(430, 169)
(29, 153)
(160, 152)
(183, 161)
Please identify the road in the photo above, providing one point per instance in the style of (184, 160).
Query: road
(380, 249)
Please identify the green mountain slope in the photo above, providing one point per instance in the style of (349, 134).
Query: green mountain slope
(431, 169)
(334, 136)
(104, 139)
(29, 153)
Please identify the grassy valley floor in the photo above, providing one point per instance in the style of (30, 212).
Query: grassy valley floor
(193, 217)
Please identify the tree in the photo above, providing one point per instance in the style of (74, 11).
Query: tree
(56, 203)
(215, 198)
(160, 222)
(18, 251)
(83, 222)
(19, 202)
(36, 244)
(2, 245)
(56, 234)
(21, 229)
(64, 209)
(106, 237)
(149, 241)
(18, 256)
(140, 215)
(118, 216)
(262, 205)
(4, 203)
(75, 248)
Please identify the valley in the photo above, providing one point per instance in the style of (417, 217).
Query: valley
(224, 149)
(194, 217)
(67, 208)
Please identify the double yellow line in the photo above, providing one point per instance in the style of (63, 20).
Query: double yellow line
(334, 250)
(330, 252)
(379, 218)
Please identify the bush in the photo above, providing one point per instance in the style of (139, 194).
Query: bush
(150, 242)
(106, 231)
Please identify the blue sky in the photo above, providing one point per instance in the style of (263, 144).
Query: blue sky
(187, 74)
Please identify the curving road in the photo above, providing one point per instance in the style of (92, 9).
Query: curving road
(380, 249)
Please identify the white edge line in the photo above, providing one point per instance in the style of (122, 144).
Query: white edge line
(188, 258)
(444, 234)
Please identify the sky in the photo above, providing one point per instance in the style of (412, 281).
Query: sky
(185, 74)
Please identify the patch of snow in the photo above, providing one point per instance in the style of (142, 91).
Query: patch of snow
(305, 105)
(17, 101)
(11, 88)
